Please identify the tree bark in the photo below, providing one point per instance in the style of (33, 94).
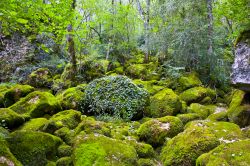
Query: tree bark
(71, 46)
(210, 26)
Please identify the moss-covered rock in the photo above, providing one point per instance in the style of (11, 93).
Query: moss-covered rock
(143, 150)
(147, 162)
(201, 110)
(219, 114)
(37, 104)
(143, 71)
(199, 137)
(6, 157)
(64, 161)
(155, 131)
(100, 150)
(90, 125)
(68, 118)
(115, 96)
(64, 150)
(188, 81)
(231, 154)
(60, 85)
(66, 135)
(36, 124)
(238, 111)
(185, 118)
(34, 148)
(164, 103)
(15, 93)
(71, 98)
(197, 94)
(3, 89)
(40, 78)
(10, 119)
(150, 86)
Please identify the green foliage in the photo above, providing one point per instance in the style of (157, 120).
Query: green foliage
(116, 96)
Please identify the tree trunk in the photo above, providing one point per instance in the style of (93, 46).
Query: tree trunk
(71, 47)
(210, 26)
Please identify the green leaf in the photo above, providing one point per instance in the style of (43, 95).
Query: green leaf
(22, 21)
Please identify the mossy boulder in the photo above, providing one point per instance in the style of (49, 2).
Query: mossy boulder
(71, 98)
(143, 150)
(36, 124)
(150, 86)
(90, 125)
(60, 85)
(239, 111)
(64, 161)
(40, 78)
(185, 118)
(66, 134)
(164, 103)
(197, 94)
(100, 150)
(3, 89)
(231, 154)
(37, 104)
(68, 118)
(64, 150)
(219, 114)
(199, 137)
(115, 96)
(188, 81)
(202, 110)
(6, 157)
(156, 131)
(147, 162)
(15, 93)
(10, 119)
(34, 148)
(143, 71)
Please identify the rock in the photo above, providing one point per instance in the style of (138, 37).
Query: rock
(240, 76)
(68, 118)
(66, 135)
(3, 89)
(220, 114)
(64, 161)
(201, 110)
(197, 94)
(149, 86)
(199, 137)
(64, 150)
(188, 81)
(10, 119)
(156, 131)
(143, 71)
(15, 93)
(239, 109)
(147, 162)
(164, 103)
(143, 150)
(36, 124)
(185, 118)
(115, 97)
(71, 98)
(34, 148)
(41, 78)
(37, 104)
(100, 150)
(6, 157)
(231, 154)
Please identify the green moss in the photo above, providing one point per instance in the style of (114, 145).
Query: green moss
(147, 162)
(246, 131)
(65, 134)
(185, 118)
(240, 115)
(189, 81)
(3, 89)
(10, 119)
(60, 84)
(201, 110)
(164, 103)
(68, 118)
(149, 86)
(37, 104)
(64, 150)
(155, 131)
(115, 96)
(197, 94)
(36, 124)
(102, 151)
(7, 158)
(15, 93)
(90, 125)
(199, 137)
(64, 161)
(233, 154)
(143, 71)
(4, 133)
(219, 114)
(143, 150)
(33, 148)
(41, 77)
(71, 98)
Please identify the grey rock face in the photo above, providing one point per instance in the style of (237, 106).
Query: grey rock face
(241, 68)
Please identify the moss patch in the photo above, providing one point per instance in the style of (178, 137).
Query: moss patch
(36, 124)
(41, 77)
(10, 119)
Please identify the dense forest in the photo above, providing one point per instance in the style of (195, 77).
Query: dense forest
(124, 83)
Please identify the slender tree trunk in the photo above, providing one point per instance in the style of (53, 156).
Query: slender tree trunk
(210, 26)
(71, 46)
